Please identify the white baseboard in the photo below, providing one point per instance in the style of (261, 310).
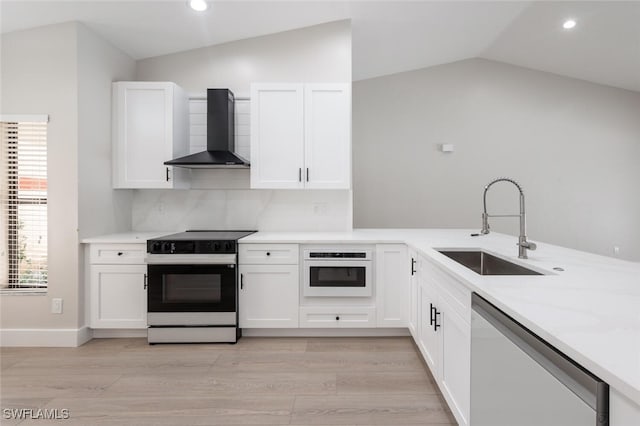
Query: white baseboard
(44, 337)
(71, 337)
(111, 333)
(325, 332)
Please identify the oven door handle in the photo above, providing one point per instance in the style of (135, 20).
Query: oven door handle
(191, 259)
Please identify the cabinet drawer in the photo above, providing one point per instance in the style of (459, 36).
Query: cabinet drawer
(268, 254)
(455, 293)
(117, 253)
(337, 316)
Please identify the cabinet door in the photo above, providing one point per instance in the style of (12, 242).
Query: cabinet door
(413, 293)
(392, 285)
(268, 296)
(143, 132)
(118, 296)
(277, 136)
(456, 362)
(327, 148)
(429, 341)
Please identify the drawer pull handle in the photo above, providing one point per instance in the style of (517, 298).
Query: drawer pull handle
(120, 253)
(268, 254)
(337, 318)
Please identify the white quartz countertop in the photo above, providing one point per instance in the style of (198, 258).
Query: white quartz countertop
(590, 311)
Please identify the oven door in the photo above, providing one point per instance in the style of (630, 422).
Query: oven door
(337, 278)
(191, 288)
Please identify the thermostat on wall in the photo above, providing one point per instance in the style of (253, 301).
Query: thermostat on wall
(446, 147)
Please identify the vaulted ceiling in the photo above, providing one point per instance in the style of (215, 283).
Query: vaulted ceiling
(388, 36)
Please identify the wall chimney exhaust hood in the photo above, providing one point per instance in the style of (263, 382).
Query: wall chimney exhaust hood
(220, 136)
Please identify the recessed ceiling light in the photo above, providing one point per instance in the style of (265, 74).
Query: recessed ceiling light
(198, 5)
(569, 24)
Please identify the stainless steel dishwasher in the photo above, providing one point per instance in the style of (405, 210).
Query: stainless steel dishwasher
(519, 379)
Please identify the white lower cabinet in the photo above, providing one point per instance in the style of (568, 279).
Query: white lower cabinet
(269, 296)
(337, 316)
(428, 338)
(118, 296)
(117, 291)
(455, 366)
(445, 336)
(269, 293)
(413, 293)
(392, 285)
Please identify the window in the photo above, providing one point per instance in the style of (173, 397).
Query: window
(23, 198)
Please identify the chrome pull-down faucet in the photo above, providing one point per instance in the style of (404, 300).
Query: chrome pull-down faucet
(523, 244)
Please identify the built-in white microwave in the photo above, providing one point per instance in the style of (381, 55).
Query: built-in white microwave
(337, 272)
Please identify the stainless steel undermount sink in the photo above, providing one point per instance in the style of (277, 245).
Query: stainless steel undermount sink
(484, 263)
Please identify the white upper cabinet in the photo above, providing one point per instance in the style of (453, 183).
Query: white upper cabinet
(327, 142)
(277, 132)
(150, 126)
(301, 136)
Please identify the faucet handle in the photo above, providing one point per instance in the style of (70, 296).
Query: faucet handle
(527, 244)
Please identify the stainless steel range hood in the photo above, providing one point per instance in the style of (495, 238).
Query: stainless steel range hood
(220, 136)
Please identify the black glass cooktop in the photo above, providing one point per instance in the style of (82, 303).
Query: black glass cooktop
(197, 242)
(203, 235)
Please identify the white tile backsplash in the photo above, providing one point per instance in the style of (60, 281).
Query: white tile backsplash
(198, 126)
(198, 106)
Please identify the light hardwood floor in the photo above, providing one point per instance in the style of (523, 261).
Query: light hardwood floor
(263, 381)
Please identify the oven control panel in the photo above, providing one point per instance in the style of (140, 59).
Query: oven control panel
(191, 247)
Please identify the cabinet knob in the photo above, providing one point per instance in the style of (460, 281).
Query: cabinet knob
(268, 254)
(337, 318)
(120, 253)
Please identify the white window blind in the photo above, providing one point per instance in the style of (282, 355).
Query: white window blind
(23, 195)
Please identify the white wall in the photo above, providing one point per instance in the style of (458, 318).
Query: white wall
(39, 76)
(321, 53)
(574, 146)
(101, 209)
(66, 71)
(223, 200)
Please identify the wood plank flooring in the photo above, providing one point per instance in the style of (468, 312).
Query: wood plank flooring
(259, 381)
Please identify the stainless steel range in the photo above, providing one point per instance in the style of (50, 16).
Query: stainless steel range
(192, 287)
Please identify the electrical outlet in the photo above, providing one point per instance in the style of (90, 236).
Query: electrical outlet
(56, 305)
(320, 209)
(616, 250)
